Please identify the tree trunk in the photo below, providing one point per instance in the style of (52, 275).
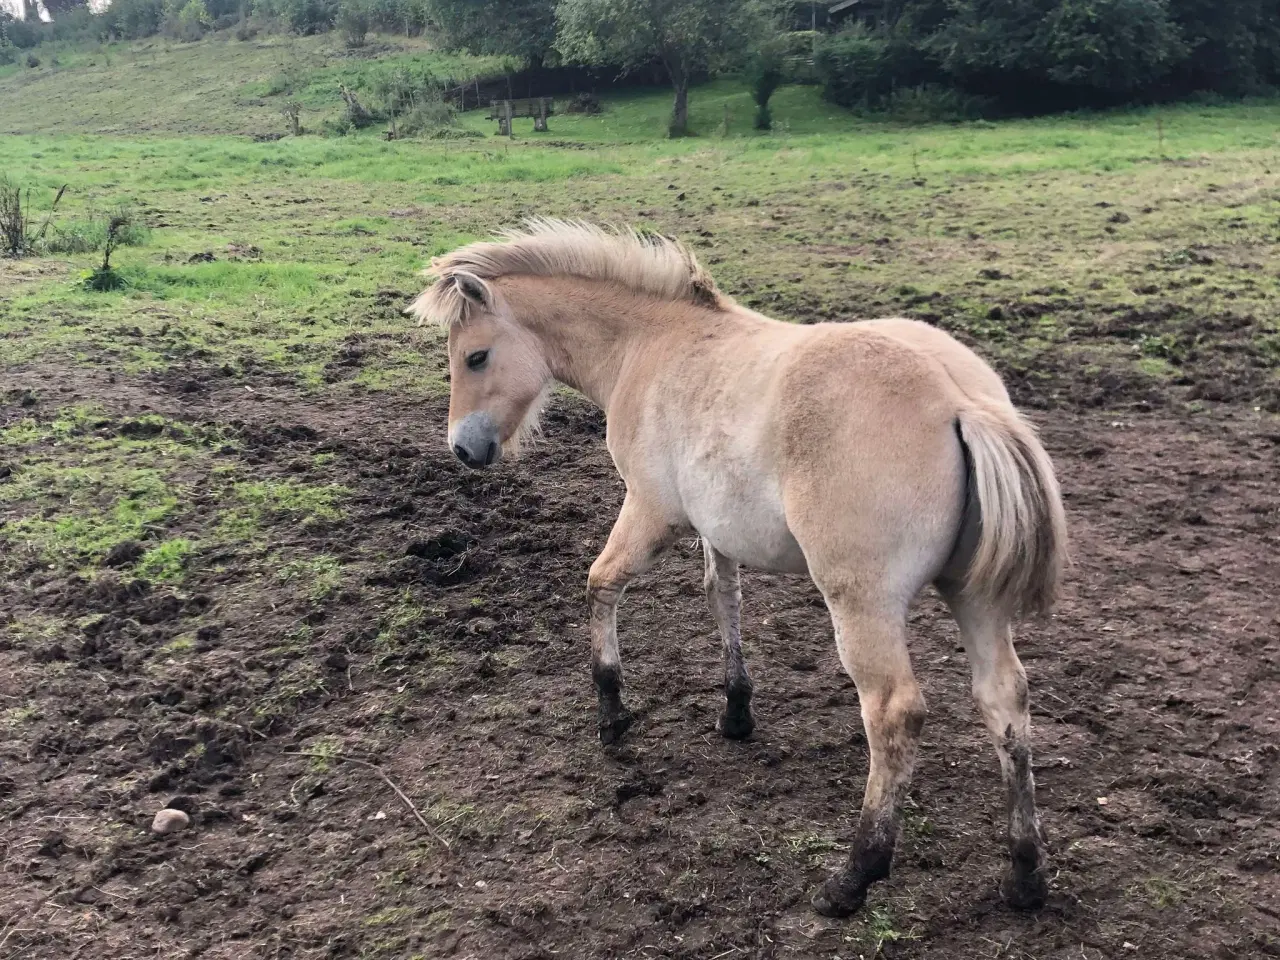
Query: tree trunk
(679, 107)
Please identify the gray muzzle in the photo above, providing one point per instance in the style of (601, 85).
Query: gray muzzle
(475, 442)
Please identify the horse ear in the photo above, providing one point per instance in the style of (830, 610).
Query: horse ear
(472, 288)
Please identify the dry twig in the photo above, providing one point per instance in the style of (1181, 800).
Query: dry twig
(343, 758)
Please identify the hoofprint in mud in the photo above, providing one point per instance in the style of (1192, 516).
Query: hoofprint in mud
(877, 457)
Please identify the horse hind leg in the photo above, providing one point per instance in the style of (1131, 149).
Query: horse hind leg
(1000, 689)
(871, 640)
(724, 596)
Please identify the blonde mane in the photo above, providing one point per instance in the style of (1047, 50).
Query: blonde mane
(642, 262)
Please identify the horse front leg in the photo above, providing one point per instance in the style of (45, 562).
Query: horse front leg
(638, 538)
(724, 596)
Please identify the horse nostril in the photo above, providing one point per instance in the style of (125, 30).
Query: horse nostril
(491, 454)
(461, 453)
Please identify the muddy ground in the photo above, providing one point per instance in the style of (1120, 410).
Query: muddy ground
(454, 657)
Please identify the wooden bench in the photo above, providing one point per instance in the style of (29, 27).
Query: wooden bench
(505, 110)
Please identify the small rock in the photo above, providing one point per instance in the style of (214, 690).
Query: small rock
(482, 626)
(170, 821)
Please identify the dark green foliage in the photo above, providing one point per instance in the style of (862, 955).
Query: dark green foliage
(132, 19)
(410, 99)
(520, 28)
(1037, 55)
(765, 71)
(1232, 46)
(862, 67)
(353, 22)
(1048, 51)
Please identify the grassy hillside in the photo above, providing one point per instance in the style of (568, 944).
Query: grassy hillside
(217, 85)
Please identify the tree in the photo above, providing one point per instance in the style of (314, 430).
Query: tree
(688, 37)
(519, 28)
(766, 67)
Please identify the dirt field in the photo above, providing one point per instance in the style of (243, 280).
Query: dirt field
(453, 655)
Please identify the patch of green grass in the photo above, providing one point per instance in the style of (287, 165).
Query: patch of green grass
(321, 753)
(290, 500)
(389, 916)
(878, 926)
(1160, 892)
(319, 576)
(66, 423)
(291, 690)
(35, 627)
(399, 626)
(166, 562)
(15, 717)
(811, 847)
(96, 509)
(182, 644)
(86, 481)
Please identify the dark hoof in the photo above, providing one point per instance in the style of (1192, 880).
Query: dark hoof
(736, 721)
(833, 899)
(1025, 889)
(613, 729)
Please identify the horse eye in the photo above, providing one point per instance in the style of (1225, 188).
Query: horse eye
(477, 359)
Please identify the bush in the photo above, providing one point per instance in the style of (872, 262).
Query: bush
(353, 22)
(22, 34)
(286, 81)
(1039, 54)
(133, 19)
(587, 103)
(411, 99)
(764, 74)
(106, 277)
(192, 21)
(309, 16)
(861, 67)
(426, 116)
(18, 234)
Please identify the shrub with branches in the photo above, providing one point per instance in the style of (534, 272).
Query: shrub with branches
(16, 236)
(353, 22)
(106, 277)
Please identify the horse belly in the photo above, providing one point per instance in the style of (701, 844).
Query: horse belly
(742, 517)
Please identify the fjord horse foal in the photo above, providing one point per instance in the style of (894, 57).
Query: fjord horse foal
(877, 457)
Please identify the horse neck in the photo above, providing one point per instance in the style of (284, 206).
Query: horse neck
(587, 330)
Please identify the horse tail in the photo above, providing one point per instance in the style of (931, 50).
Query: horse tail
(1021, 551)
